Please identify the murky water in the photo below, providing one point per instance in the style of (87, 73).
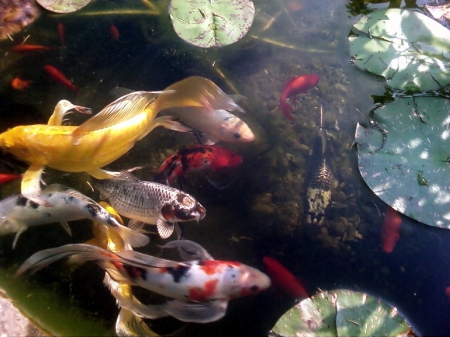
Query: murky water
(262, 213)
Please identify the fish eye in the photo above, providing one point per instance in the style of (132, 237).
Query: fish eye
(254, 288)
(237, 135)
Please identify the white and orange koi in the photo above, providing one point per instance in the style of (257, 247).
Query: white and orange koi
(200, 288)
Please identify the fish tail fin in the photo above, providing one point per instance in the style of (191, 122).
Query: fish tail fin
(43, 258)
(128, 324)
(287, 110)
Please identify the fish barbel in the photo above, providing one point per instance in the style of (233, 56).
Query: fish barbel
(86, 148)
(147, 202)
(201, 289)
(17, 213)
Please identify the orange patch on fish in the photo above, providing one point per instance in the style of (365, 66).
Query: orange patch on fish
(211, 267)
(19, 84)
(205, 293)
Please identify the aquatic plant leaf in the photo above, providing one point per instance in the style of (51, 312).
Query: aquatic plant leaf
(206, 23)
(63, 6)
(404, 157)
(409, 49)
(341, 313)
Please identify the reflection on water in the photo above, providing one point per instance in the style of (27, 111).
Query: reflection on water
(262, 213)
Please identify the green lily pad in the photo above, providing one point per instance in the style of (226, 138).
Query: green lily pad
(206, 23)
(404, 157)
(63, 6)
(409, 49)
(341, 313)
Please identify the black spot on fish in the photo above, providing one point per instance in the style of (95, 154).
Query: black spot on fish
(21, 201)
(180, 197)
(50, 194)
(93, 209)
(237, 135)
(254, 289)
(111, 222)
(33, 204)
(178, 272)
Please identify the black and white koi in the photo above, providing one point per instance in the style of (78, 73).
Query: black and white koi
(200, 288)
(146, 202)
(18, 213)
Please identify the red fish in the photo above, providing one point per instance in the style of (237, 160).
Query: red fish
(114, 32)
(59, 77)
(295, 86)
(283, 278)
(25, 48)
(447, 291)
(19, 84)
(390, 230)
(196, 158)
(62, 33)
(6, 178)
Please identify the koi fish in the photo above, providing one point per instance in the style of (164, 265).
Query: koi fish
(293, 87)
(25, 48)
(204, 107)
(146, 202)
(6, 178)
(62, 33)
(19, 84)
(283, 278)
(97, 142)
(200, 289)
(114, 32)
(390, 230)
(59, 77)
(196, 158)
(17, 213)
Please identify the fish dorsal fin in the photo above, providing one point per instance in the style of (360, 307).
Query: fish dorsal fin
(120, 110)
(196, 91)
(66, 190)
(189, 250)
(126, 175)
(137, 259)
(165, 228)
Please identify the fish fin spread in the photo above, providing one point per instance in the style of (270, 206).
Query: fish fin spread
(103, 174)
(31, 185)
(165, 228)
(189, 250)
(179, 231)
(66, 227)
(64, 108)
(128, 324)
(122, 109)
(16, 237)
(136, 225)
(129, 236)
(141, 260)
(169, 123)
(197, 312)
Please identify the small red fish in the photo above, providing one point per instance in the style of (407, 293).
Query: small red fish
(59, 77)
(62, 33)
(25, 48)
(19, 84)
(390, 230)
(447, 291)
(295, 86)
(283, 278)
(196, 158)
(6, 178)
(114, 32)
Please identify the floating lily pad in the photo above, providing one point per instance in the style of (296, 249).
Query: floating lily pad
(341, 313)
(206, 23)
(404, 157)
(63, 6)
(409, 49)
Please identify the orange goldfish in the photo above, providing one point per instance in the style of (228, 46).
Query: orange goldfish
(390, 230)
(114, 32)
(19, 84)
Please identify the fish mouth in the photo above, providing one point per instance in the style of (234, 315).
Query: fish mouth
(198, 212)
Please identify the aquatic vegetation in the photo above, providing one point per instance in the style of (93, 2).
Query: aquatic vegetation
(409, 49)
(15, 15)
(403, 157)
(342, 313)
(206, 23)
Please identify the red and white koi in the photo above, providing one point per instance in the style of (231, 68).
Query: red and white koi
(197, 158)
(201, 288)
(18, 213)
(293, 87)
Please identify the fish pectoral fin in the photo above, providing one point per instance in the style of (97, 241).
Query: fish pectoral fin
(16, 237)
(31, 185)
(204, 138)
(122, 109)
(66, 227)
(130, 257)
(129, 324)
(103, 174)
(62, 109)
(131, 237)
(165, 228)
(189, 250)
(197, 312)
(136, 225)
(169, 123)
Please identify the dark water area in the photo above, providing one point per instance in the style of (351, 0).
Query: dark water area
(262, 213)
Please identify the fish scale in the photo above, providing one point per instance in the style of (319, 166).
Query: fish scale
(149, 202)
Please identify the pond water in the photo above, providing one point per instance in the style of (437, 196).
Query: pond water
(262, 212)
